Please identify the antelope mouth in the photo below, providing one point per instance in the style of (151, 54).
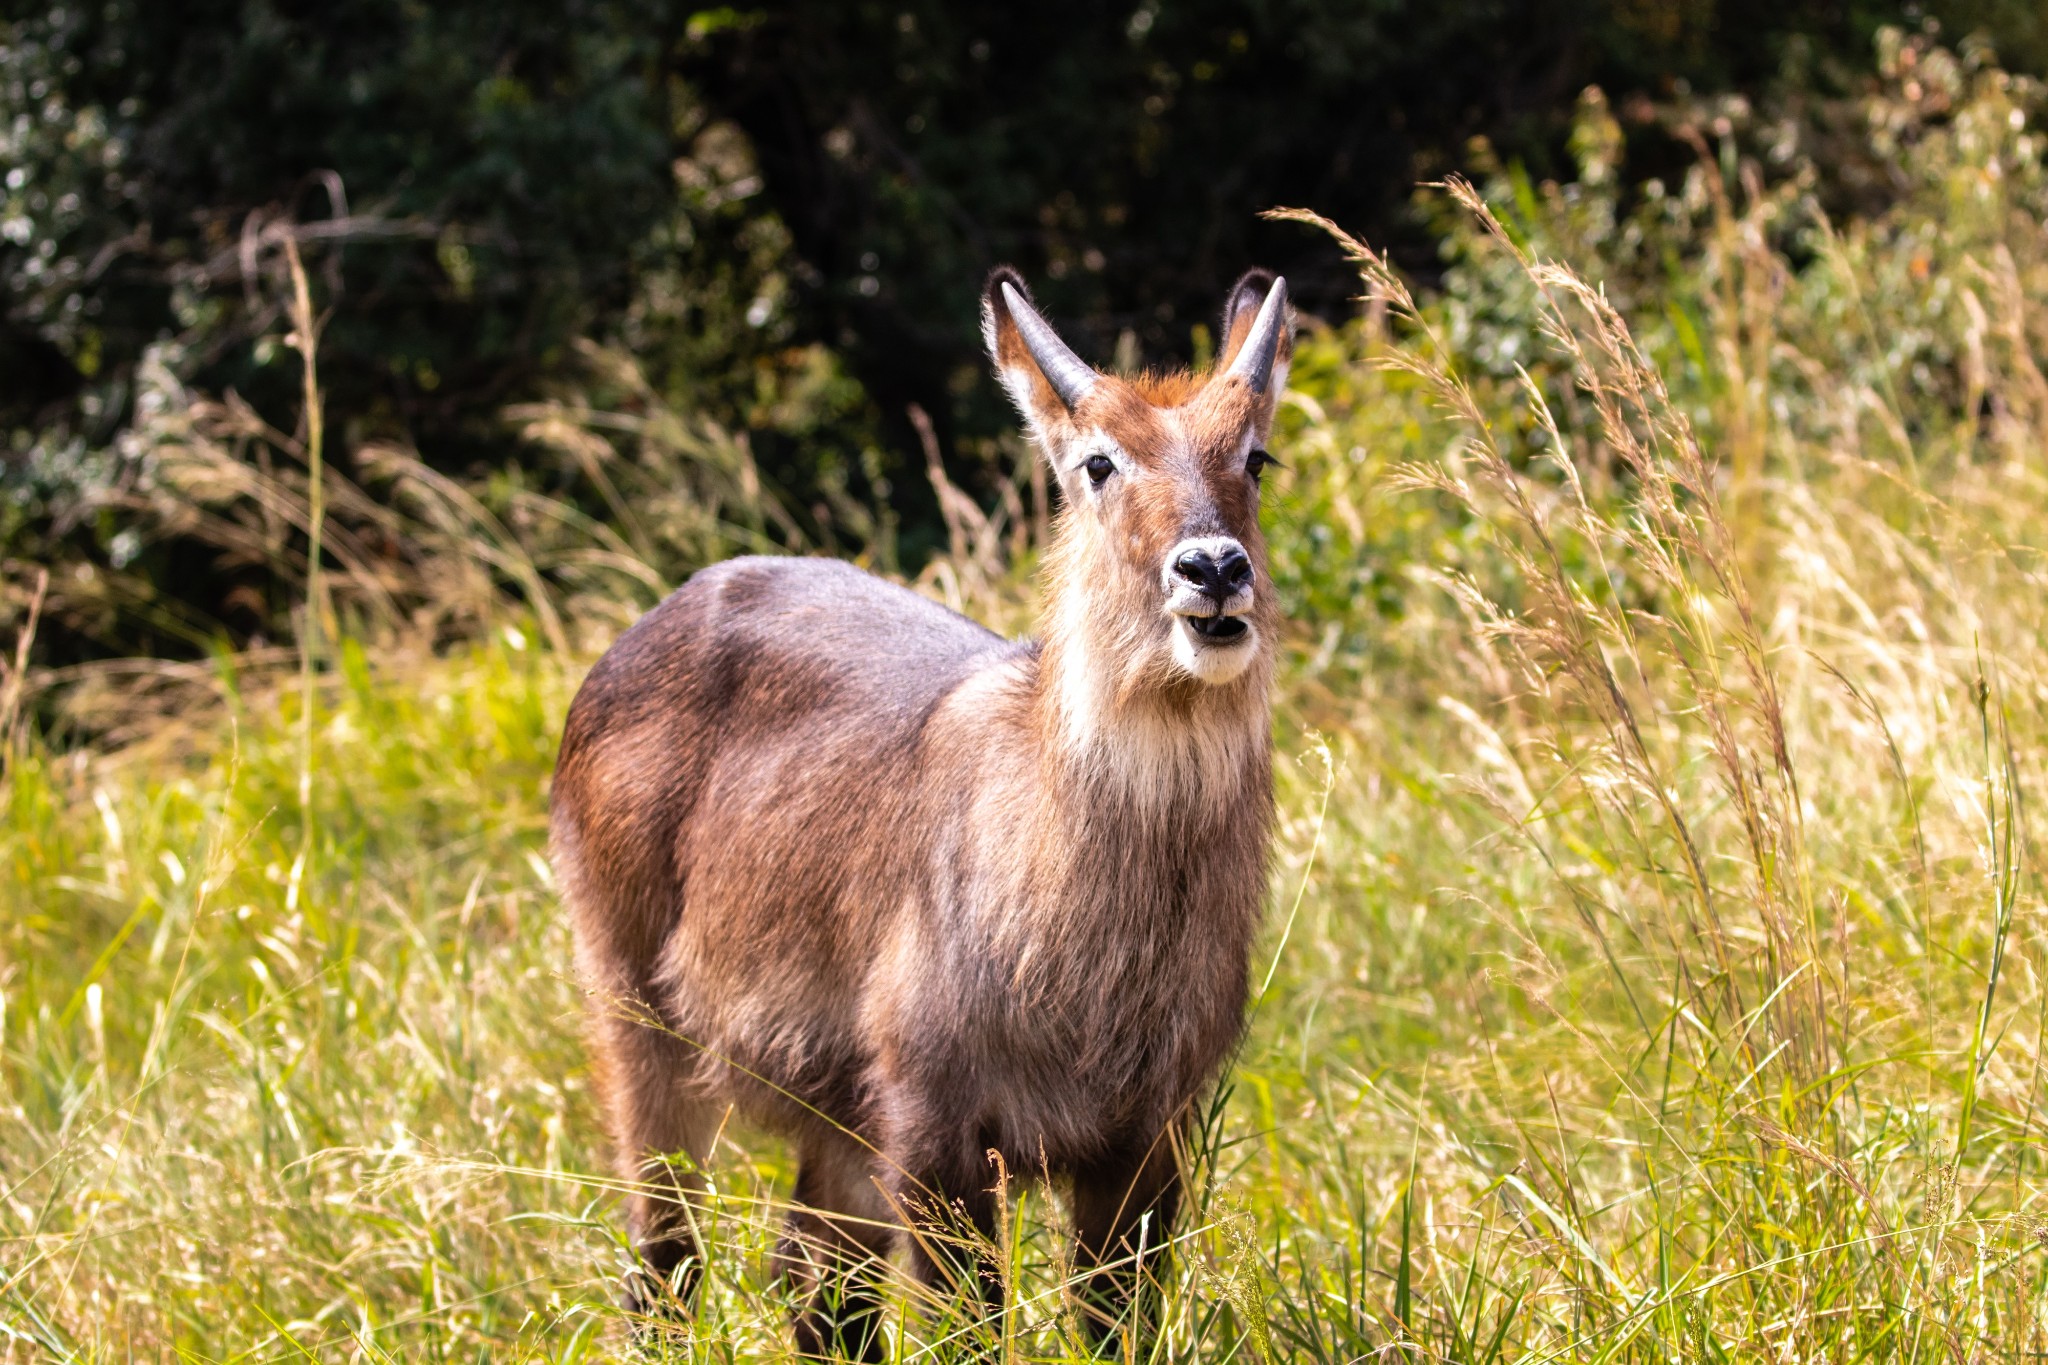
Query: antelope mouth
(1218, 630)
(1215, 649)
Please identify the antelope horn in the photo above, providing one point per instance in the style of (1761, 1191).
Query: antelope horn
(1070, 376)
(1254, 362)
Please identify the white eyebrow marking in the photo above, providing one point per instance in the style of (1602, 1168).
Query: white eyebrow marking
(1098, 443)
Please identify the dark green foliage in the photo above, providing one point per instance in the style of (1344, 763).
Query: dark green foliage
(500, 163)
(1120, 154)
(487, 173)
(781, 212)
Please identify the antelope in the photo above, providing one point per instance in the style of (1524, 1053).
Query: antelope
(935, 905)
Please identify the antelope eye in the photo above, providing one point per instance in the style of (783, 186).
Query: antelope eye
(1099, 468)
(1255, 464)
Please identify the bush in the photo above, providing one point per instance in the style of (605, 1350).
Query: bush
(780, 213)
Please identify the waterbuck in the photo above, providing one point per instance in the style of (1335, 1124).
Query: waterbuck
(933, 903)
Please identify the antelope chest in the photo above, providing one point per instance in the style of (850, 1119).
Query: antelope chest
(1054, 1030)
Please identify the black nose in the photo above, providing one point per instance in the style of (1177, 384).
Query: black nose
(1218, 576)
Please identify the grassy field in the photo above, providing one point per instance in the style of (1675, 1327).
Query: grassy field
(1654, 966)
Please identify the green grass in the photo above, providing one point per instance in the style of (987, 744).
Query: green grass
(1656, 943)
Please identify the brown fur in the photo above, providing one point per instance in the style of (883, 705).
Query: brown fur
(912, 894)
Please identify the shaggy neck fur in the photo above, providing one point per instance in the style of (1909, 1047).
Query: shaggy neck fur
(1121, 720)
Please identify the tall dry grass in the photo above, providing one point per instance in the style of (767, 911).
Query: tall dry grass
(1726, 1103)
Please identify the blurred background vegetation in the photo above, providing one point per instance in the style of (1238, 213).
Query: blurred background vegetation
(770, 220)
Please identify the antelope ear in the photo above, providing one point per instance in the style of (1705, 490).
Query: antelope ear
(1241, 310)
(1046, 380)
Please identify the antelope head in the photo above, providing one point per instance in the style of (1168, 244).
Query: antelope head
(1156, 577)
